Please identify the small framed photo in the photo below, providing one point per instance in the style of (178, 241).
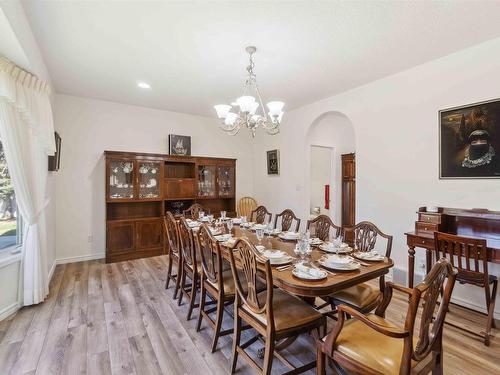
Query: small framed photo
(273, 162)
(179, 145)
(55, 161)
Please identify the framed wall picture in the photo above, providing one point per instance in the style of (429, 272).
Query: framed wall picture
(273, 162)
(55, 161)
(469, 141)
(179, 145)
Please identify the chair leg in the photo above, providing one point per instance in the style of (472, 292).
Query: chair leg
(218, 322)
(437, 369)
(182, 285)
(490, 301)
(320, 359)
(169, 272)
(236, 339)
(203, 294)
(178, 278)
(192, 300)
(268, 355)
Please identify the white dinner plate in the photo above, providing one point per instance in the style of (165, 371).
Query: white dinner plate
(364, 256)
(308, 276)
(340, 267)
(329, 249)
(283, 236)
(280, 261)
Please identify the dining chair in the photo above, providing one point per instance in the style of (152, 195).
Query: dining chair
(260, 215)
(369, 344)
(215, 281)
(364, 297)
(321, 226)
(193, 212)
(174, 254)
(273, 313)
(470, 257)
(190, 266)
(246, 205)
(287, 218)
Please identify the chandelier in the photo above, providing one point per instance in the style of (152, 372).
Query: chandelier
(251, 111)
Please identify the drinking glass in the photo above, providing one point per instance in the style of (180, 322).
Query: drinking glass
(229, 226)
(201, 215)
(259, 232)
(223, 215)
(338, 242)
(243, 220)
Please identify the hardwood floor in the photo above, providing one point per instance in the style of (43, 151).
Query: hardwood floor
(118, 319)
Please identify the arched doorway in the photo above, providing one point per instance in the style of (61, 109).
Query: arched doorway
(329, 136)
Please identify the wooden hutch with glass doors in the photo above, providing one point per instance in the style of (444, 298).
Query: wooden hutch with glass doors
(141, 187)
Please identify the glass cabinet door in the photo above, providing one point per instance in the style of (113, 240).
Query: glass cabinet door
(206, 180)
(226, 180)
(149, 179)
(121, 179)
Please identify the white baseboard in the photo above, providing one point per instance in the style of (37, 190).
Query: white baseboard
(80, 258)
(51, 271)
(9, 310)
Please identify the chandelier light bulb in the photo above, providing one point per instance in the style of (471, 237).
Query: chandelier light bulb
(222, 110)
(275, 108)
(246, 103)
(230, 118)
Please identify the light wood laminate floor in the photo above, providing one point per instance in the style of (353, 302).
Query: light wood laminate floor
(118, 319)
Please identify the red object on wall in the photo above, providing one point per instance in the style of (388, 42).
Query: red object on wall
(327, 197)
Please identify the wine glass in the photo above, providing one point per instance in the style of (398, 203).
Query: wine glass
(201, 215)
(229, 226)
(223, 215)
(259, 232)
(338, 242)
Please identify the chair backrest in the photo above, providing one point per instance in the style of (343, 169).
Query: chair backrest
(260, 215)
(211, 257)
(245, 206)
(287, 218)
(187, 243)
(172, 233)
(468, 255)
(365, 237)
(245, 257)
(321, 226)
(193, 211)
(425, 297)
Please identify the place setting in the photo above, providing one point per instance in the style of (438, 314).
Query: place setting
(337, 246)
(340, 263)
(370, 256)
(289, 236)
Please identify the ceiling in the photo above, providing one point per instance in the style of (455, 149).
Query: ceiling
(192, 53)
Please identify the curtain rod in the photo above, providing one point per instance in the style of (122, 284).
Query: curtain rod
(23, 76)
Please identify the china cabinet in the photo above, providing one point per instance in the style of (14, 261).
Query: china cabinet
(141, 187)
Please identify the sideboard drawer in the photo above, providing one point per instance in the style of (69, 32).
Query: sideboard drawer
(429, 218)
(426, 228)
(427, 242)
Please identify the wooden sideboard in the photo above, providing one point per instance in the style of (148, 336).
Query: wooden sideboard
(478, 223)
(141, 187)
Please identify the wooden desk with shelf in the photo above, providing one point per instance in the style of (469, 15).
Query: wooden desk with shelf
(478, 223)
(141, 187)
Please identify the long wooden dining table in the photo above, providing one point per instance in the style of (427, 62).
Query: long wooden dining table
(334, 282)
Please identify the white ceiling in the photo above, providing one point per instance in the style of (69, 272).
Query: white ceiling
(192, 53)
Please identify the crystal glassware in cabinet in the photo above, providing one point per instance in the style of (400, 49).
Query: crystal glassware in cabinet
(226, 180)
(149, 180)
(121, 179)
(206, 181)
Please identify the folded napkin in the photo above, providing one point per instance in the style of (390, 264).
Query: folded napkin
(369, 255)
(335, 259)
(274, 254)
(309, 271)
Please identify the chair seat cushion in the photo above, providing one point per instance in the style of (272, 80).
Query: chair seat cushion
(362, 344)
(289, 311)
(358, 296)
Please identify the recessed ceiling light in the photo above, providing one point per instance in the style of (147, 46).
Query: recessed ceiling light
(143, 85)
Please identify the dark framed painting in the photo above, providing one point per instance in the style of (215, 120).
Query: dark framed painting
(469, 141)
(179, 145)
(273, 162)
(55, 161)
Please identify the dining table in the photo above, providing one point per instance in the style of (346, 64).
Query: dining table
(335, 280)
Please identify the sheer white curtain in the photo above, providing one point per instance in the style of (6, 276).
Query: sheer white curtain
(27, 134)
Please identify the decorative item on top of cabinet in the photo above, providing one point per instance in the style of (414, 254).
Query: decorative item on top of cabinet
(141, 187)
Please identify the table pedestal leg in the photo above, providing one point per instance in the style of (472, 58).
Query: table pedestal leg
(411, 265)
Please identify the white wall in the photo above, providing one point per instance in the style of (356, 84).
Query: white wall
(320, 172)
(88, 127)
(395, 122)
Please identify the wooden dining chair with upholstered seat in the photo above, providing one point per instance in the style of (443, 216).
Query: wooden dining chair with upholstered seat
(174, 253)
(369, 344)
(190, 266)
(216, 281)
(323, 228)
(470, 257)
(273, 313)
(246, 205)
(260, 215)
(285, 221)
(365, 297)
(193, 212)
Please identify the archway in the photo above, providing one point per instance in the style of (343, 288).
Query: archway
(331, 134)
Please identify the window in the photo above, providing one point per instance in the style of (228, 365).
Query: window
(10, 220)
